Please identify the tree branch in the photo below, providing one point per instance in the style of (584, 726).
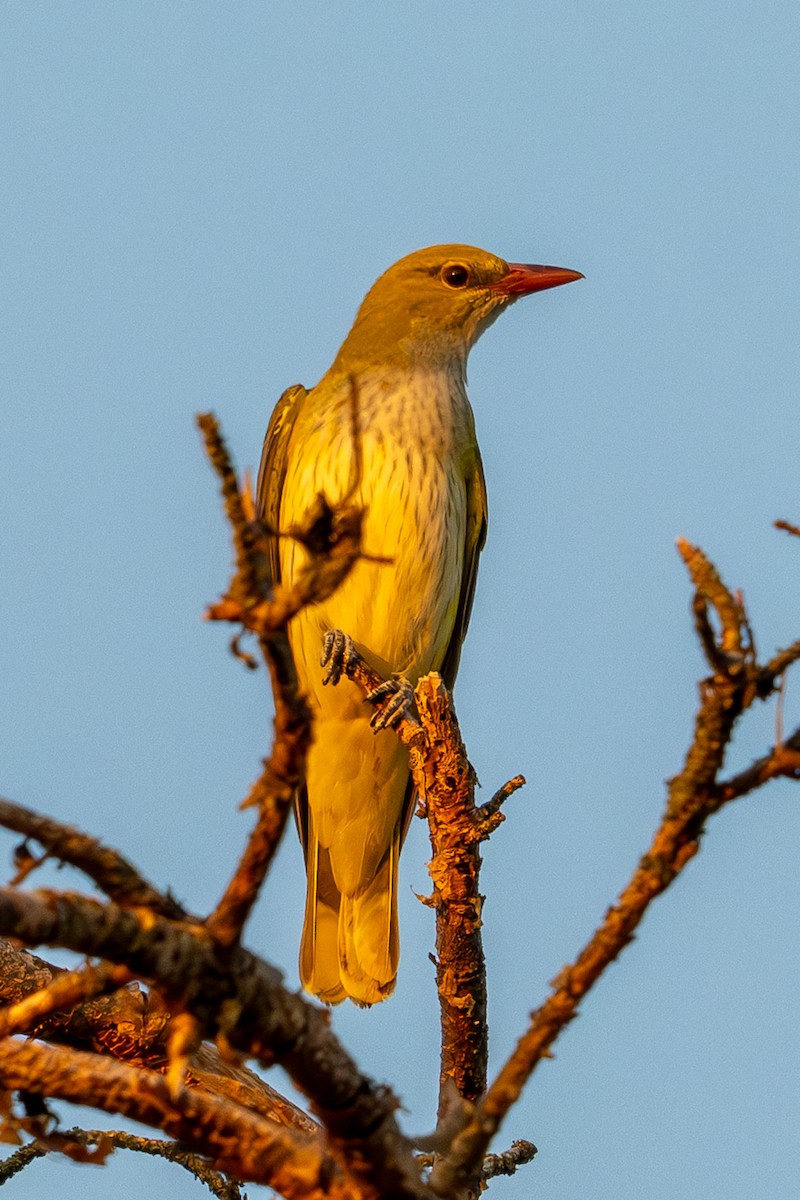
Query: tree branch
(240, 997)
(240, 1143)
(67, 989)
(133, 1027)
(445, 782)
(692, 798)
(117, 1139)
(106, 867)
(273, 793)
(250, 591)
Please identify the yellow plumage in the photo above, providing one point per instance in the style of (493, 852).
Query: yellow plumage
(421, 487)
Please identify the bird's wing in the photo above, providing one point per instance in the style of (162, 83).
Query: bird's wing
(269, 490)
(272, 472)
(477, 513)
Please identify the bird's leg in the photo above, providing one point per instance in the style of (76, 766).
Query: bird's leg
(338, 655)
(393, 700)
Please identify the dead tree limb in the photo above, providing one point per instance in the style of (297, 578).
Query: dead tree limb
(693, 796)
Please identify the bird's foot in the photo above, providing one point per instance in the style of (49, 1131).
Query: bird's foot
(393, 700)
(338, 655)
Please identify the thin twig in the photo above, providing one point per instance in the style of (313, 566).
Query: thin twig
(332, 539)
(19, 1160)
(245, 535)
(769, 676)
(489, 814)
(519, 1153)
(782, 761)
(710, 590)
(331, 535)
(219, 1186)
(273, 793)
(283, 771)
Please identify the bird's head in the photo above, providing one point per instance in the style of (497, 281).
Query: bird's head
(433, 305)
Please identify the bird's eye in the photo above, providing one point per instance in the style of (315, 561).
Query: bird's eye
(455, 275)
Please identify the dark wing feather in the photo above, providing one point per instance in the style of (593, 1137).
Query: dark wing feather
(269, 490)
(477, 513)
(272, 472)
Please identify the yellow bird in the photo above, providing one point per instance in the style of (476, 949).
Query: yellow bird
(406, 605)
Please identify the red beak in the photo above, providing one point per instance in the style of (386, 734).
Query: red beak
(524, 278)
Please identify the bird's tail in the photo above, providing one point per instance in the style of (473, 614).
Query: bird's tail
(369, 939)
(319, 954)
(351, 944)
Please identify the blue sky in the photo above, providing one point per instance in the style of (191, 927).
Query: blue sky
(194, 198)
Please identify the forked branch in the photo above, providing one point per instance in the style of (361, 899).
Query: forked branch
(693, 795)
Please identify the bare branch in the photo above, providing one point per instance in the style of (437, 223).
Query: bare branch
(66, 990)
(106, 867)
(242, 998)
(507, 1163)
(217, 1184)
(692, 797)
(332, 537)
(489, 814)
(446, 784)
(273, 793)
(787, 527)
(710, 590)
(771, 673)
(783, 760)
(19, 1160)
(241, 1144)
(250, 591)
(133, 1027)
(250, 578)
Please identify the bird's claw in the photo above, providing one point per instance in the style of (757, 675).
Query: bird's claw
(393, 699)
(338, 654)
